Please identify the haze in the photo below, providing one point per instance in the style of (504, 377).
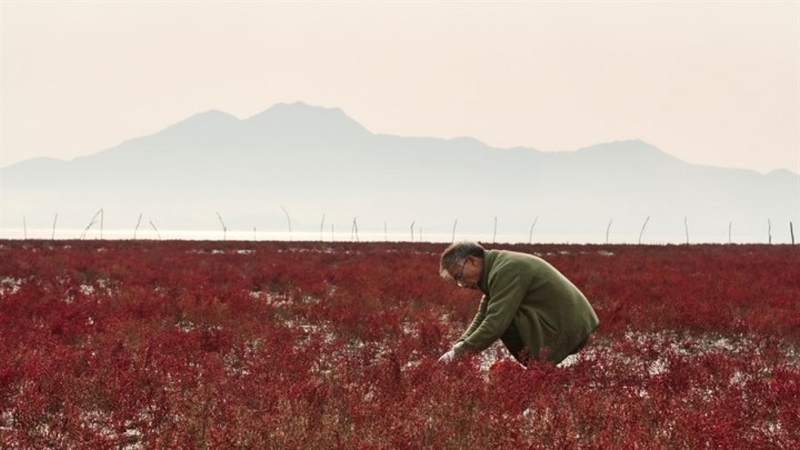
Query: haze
(714, 83)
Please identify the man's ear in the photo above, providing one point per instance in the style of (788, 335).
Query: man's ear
(477, 262)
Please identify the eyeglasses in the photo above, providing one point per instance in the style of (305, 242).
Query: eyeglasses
(460, 273)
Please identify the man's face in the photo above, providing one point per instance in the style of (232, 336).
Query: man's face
(467, 273)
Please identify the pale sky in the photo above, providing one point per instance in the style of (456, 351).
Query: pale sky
(710, 82)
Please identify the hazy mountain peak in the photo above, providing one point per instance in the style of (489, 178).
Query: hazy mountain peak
(200, 125)
(299, 116)
(782, 173)
(633, 149)
(210, 117)
(38, 162)
(632, 145)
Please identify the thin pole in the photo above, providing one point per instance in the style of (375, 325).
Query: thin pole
(137, 226)
(642, 232)
(530, 234)
(289, 221)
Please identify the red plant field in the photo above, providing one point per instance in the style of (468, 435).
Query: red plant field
(179, 344)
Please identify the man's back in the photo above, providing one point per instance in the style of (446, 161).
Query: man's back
(550, 313)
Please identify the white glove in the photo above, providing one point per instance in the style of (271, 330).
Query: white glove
(447, 357)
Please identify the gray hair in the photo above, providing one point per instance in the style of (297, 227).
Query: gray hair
(456, 253)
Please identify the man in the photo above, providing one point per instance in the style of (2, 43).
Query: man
(529, 305)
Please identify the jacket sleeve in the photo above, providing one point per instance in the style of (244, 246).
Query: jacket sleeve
(506, 291)
(476, 322)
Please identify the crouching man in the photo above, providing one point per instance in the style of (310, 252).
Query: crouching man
(530, 306)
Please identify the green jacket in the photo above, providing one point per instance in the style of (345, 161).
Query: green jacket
(531, 306)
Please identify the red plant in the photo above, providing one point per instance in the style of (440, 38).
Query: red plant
(139, 344)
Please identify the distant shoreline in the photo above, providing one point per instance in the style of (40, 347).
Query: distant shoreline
(148, 234)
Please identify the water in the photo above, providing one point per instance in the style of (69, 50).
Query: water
(348, 236)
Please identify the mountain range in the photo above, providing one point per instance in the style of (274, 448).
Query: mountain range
(316, 168)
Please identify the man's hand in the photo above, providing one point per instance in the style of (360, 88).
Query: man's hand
(447, 357)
